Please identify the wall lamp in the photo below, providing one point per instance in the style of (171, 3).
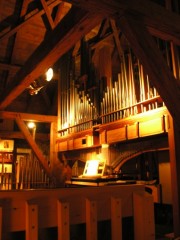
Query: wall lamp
(36, 86)
(31, 125)
(49, 74)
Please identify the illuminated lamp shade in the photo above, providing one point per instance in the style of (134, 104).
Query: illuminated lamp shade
(49, 74)
(31, 125)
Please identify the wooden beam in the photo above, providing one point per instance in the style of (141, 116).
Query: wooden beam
(6, 33)
(76, 49)
(116, 38)
(19, 135)
(48, 14)
(102, 41)
(53, 138)
(152, 60)
(71, 29)
(174, 155)
(160, 21)
(23, 10)
(103, 28)
(59, 14)
(28, 136)
(9, 67)
(28, 117)
(1, 222)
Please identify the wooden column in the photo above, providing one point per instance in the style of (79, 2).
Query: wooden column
(116, 219)
(105, 153)
(53, 137)
(0, 223)
(59, 105)
(144, 227)
(174, 150)
(31, 221)
(174, 154)
(91, 220)
(63, 221)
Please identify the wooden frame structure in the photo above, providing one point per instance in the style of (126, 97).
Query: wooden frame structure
(62, 207)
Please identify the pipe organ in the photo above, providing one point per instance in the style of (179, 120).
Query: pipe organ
(110, 102)
(129, 92)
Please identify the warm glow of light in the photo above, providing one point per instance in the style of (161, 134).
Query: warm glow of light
(65, 125)
(71, 118)
(105, 145)
(31, 125)
(92, 167)
(49, 74)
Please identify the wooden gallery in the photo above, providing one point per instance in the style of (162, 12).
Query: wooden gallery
(89, 119)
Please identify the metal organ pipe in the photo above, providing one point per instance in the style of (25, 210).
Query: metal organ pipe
(129, 94)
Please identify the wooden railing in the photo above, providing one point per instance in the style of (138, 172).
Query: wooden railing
(110, 115)
(33, 211)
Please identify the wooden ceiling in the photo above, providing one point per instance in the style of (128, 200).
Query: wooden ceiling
(34, 34)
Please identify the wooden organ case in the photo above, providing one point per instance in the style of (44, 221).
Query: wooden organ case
(108, 101)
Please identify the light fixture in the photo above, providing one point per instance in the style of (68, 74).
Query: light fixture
(33, 89)
(49, 74)
(31, 125)
(38, 84)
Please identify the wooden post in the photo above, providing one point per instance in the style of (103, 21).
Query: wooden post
(116, 219)
(37, 151)
(53, 137)
(105, 153)
(174, 151)
(144, 227)
(174, 154)
(63, 220)
(91, 220)
(31, 221)
(0, 223)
